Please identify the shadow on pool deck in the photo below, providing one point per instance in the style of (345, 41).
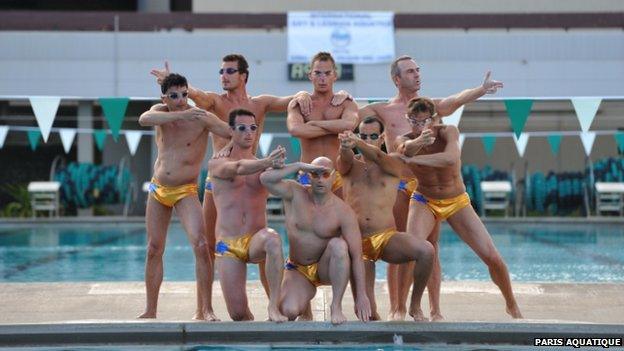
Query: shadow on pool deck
(474, 311)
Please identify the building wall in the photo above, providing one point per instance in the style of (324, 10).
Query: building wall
(410, 6)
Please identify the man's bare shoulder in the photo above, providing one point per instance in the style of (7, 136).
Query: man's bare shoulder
(449, 131)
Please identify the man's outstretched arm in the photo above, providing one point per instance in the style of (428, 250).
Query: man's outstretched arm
(449, 104)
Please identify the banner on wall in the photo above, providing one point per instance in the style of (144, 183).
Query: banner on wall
(351, 37)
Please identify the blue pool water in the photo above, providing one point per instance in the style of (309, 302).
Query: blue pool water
(108, 252)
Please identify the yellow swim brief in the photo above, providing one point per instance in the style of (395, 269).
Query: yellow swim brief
(444, 208)
(373, 245)
(234, 247)
(310, 271)
(408, 185)
(170, 195)
(304, 179)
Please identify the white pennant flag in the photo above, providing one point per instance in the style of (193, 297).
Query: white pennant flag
(453, 118)
(586, 109)
(67, 138)
(133, 137)
(265, 143)
(4, 130)
(45, 108)
(588, 141)
(462, 137)
(521, 143)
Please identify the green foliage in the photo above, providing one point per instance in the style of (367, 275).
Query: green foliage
(20, 207)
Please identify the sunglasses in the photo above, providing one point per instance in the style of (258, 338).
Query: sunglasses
(244, 127)
(228, 70)
(419, 122)
(175, 96)
(373, 136)
(318, 175)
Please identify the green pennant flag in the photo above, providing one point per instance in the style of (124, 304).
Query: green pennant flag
(33, 138)
(374, 101)
(488, 144)
(619, 139)
(100, 138)
(555, 142)
(295, 145)
(518, 112)
(114, 111)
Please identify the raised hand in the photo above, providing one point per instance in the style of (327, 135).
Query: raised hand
(161, 74)
(277, 157)
(425, 138)
(490, 85)
(195, 114)
(347, 139)
(308, 168)
(340, 97)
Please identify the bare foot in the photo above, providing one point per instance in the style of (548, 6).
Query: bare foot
(417, 314)
(375, 316)
(275, 315)
(396, 315)
(148, 315)
(436, 317)
(337, 317)
(514, 312)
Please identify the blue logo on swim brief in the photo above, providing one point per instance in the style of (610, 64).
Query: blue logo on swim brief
(152, 187)
(402, 185)
(221, 247)
(208, 186)
(304, 179)
(290, 266)
(419, 197)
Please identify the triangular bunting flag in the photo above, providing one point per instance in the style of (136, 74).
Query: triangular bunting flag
(588, 141)
(521, 143)
(45, 108)
(33, 138)
(555, 142)
(619, 139)
(462, 137)
(67, 138)
(296, 147)
(133, 137)
(4, 130)
(488, 144)
(265, 143)
(114, 111)
(586, 109)
(453, 119)
(100, 138)
(518, 112)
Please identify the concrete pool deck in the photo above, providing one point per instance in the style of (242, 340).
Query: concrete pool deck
(104, 312)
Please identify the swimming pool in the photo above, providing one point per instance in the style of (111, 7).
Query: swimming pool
(574, 252)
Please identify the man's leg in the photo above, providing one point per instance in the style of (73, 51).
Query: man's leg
(400, 210)
(369, 270)
(420, 223)
(190, 212)
(403, 248)
(334, 267)
(296, 294)
(266, 245)
(471, 230)
(435, 279)
(210, 218)
(233, 278)
(157, 217)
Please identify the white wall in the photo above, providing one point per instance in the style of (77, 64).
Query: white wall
(531, 63)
